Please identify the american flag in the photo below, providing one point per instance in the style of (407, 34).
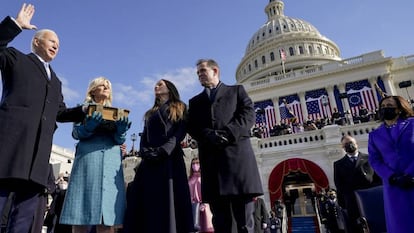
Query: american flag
(360, 93)
(314, 104)
(282, 54)
(265, 116)
(293, 105)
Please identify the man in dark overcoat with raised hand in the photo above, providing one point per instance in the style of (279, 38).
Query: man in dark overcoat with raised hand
(30, 105)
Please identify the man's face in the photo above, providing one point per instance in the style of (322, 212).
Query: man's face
(47, 46)
(349, 145)
(208, 76)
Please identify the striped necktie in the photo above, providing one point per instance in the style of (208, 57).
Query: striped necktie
(47, 68)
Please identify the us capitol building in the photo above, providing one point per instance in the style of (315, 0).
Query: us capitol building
(295, 75)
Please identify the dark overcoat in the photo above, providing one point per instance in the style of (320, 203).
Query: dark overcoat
(230, 170)
(349, 177)
(29, 108)
(158, 199)
(391, 151)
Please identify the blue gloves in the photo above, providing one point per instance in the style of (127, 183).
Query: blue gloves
(93, 121)
(402, 181)
(122, 125)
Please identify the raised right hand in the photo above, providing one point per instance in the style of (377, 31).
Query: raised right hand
(25, 15)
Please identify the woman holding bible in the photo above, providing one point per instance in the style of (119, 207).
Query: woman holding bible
(96, 192)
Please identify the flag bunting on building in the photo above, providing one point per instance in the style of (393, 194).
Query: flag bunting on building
(360, 93)
(293, 105)
(318, 104)
(265, 116)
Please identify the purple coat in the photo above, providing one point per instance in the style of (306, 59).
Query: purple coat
(391, 150)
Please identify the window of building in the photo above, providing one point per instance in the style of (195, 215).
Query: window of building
(291, 51)
(255, 64)
(263, 59)
(310, 49)
(301, 50)
(272, 56)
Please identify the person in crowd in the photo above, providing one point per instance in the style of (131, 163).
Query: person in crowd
(310, 125)
(352, 172)
(336, 117)
(275, 223)
(260, 215)
(330, 212)
(391, 150)
(31, 103)
(55, 210)
(96, 191)
(159, 196)
(220, 119)
(201, 210)
(363, 114)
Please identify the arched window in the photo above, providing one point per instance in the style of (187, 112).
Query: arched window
(272, 56)
(291, 51)
(255, 64)
(301, 50)
(263, 59)
(250, 67)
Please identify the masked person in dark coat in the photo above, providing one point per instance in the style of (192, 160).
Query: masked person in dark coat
(352, 172)
(31, 103)
(158, 199)
(220, 119)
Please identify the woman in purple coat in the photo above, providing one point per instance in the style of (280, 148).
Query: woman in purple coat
(391, 154)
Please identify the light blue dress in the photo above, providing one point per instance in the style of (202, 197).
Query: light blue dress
(96, 192)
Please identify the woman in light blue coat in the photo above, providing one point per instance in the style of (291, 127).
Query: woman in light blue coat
(391, 154)
(96, 192)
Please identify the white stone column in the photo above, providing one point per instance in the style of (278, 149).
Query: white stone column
(303, 105)
(332, 100)
(373, 82)
(276, 106)
(345, 101)
(388, 84)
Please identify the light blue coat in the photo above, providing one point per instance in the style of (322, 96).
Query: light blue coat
(96, 188)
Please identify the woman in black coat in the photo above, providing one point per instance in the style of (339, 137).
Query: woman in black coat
(158, 200)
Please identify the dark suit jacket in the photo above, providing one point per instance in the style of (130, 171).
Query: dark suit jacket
(229, 170)
(349, 177)
(260, 215)
(30, 106)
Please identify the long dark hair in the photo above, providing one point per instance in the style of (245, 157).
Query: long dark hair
(177, 109)
(402, 104)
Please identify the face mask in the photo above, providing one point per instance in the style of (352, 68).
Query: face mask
(63, 186)
(350, 147)
(388, 113)
(195, 167)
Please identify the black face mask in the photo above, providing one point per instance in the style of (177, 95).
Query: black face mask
(388, 113)
(350, 147)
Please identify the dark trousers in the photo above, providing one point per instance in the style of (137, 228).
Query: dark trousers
(22, 209)
(226, 209)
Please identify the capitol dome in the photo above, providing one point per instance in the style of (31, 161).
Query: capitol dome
(298, 42)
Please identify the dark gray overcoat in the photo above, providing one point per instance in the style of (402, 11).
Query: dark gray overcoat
(29, 108)
(229, 170)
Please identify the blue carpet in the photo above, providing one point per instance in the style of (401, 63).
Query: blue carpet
(303, 225)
